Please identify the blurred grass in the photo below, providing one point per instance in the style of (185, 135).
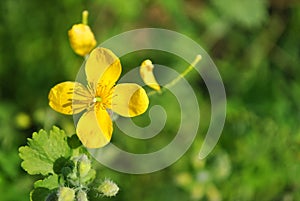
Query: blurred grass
(255, 45)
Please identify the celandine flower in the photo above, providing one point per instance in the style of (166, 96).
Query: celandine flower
(94, 128)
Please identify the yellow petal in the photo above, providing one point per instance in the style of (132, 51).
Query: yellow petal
(82, 39)
(146, 72)
(102, 66)
(129, 100)
(69, 97)
(94, 128)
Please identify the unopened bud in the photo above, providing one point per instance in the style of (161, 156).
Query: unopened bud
(81, 196)
(84, 165)
(66, 194)
(82, 39)
(146, 72)
(108, 188)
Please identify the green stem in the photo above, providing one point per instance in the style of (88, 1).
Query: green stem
(177, 79)
(85, 15)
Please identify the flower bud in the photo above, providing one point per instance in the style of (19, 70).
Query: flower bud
(82, 39)
(81, 196)
(108, 188)
(146, 72)
(66, 194)
(84, 165)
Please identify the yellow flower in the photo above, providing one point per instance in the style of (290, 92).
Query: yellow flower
(94, 128)
(146, 72)
(82, 39)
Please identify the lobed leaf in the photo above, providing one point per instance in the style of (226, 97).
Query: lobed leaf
(50, 182)
(43, 150)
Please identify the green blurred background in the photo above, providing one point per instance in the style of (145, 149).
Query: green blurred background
(255, 45)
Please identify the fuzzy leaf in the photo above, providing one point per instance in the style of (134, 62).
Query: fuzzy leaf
(43, 150)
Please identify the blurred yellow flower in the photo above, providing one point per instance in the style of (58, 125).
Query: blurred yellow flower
(146, 72)
(102, 68)
(81, 37)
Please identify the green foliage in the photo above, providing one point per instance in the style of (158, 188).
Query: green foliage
(44, 150)
(253, 43)
(246, 13)
(67, 170)
(50, 182)
(42, 194)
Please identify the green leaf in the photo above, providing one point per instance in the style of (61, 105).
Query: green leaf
(43, 150)
(74, 141)
(50, 182)
(43, 194)
(63, 166)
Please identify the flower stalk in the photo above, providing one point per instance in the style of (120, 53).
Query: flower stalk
(178, 78)
(85, 15)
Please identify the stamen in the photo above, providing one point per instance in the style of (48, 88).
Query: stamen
(75, 110)
(91, 88)
(80, 93)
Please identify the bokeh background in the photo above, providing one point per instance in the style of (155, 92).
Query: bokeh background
(255, 45)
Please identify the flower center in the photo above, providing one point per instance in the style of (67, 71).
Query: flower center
(97, 99)
(103, 95)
